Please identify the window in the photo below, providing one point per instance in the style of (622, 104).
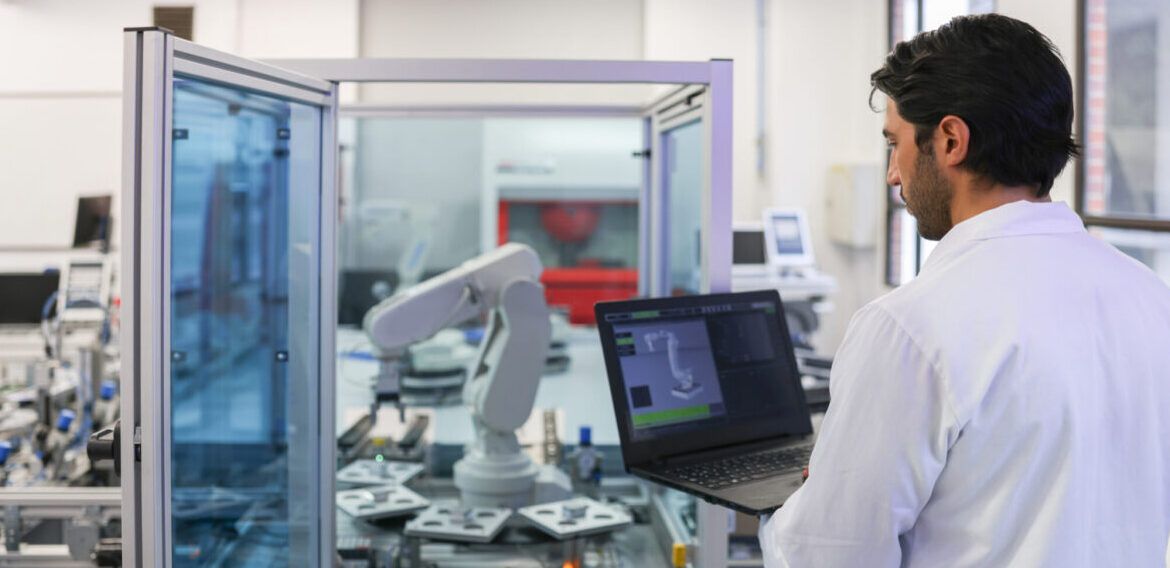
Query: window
(905, 250)
(1123, 182)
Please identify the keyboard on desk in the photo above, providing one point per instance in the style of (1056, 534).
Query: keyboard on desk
(742, 469)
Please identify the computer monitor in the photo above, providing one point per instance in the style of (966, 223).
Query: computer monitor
(361, 290)
(789, 242)
(93, 221)
(85, 292)
(748, 245)
(23, 296)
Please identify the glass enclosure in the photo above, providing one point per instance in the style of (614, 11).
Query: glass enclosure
(231, 338)
(244, 205)
(423, 195)
(683, 191)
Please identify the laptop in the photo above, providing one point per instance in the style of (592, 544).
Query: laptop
(707, 396)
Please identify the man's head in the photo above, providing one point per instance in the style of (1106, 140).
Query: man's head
(982, 104)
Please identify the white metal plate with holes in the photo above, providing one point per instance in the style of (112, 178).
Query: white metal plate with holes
(362, 473)
(579, 516)
(450, 521)
(379, 502)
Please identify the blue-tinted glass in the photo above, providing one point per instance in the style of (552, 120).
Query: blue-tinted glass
(683, 176)
(244, 236)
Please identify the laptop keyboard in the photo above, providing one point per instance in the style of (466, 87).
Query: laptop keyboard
(742, 469)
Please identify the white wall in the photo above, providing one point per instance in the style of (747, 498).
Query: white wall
(503, 29)
(60, 99)
(822, 56)
(699, 30)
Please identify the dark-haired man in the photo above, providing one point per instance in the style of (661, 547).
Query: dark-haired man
(1011, 405)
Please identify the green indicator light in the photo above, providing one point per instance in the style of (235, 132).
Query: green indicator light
(379, 458)
(625, 341)
(645, 314)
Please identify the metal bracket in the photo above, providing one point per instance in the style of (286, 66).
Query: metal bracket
(12, 528)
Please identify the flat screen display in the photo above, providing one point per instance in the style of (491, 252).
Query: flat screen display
(694, 368)
(747, 247)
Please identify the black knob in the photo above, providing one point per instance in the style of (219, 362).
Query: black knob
(105, 444)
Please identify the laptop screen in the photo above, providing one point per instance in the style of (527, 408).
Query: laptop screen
(695, 367)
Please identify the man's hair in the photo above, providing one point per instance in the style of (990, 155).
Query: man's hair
(1004, 79)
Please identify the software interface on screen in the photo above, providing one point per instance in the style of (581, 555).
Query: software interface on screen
(694, 367)
(786, 231)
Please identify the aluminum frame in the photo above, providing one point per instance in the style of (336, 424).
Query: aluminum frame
(716, 108)
(152, 59)
(146, 105)
(713, 77)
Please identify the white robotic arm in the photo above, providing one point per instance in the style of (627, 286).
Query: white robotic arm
(502, 382)
(470, 289)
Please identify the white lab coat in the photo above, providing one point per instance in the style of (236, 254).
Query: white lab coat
(1009, 407)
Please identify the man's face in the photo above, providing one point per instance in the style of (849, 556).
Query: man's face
(924, 188)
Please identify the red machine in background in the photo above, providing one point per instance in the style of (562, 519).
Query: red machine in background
(589, 249)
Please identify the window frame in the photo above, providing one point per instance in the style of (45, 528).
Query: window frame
(1106, 220)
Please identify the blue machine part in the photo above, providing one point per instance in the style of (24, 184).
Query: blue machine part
(585, 436)
(473, 335)
(65, 419)
(109, 389)
(5, 449)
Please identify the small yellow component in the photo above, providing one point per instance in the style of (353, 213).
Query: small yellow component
(678, 556)
(378, 442)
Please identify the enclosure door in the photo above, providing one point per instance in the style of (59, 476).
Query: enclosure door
(227, 453)
(687, 157)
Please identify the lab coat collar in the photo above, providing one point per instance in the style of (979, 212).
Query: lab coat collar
(1013, 219)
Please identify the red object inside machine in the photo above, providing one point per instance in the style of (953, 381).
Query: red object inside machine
(588, 282)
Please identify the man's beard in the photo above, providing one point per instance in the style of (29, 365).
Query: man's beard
(931, 198)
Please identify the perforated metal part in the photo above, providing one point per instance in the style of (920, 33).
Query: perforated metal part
(449, 521)
(579, 516)
(362, 473)
(379, 502)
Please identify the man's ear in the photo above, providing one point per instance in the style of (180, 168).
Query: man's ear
(953, 140)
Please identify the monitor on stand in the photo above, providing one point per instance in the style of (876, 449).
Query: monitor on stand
(93, 224)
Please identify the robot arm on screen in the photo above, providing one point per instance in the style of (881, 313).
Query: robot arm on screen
(502, 382)
(686, 388)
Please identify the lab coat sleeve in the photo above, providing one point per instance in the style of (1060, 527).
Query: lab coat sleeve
(881, 446)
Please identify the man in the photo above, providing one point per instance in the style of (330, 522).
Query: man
(1011, 405)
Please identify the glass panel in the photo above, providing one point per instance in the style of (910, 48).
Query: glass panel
(430, 193)
(683, 191)
(244, 268)
(1127, 111)
(1150, 248)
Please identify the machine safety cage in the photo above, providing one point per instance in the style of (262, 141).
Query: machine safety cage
(230, 196)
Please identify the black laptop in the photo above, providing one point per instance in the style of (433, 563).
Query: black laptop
(707, 396)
